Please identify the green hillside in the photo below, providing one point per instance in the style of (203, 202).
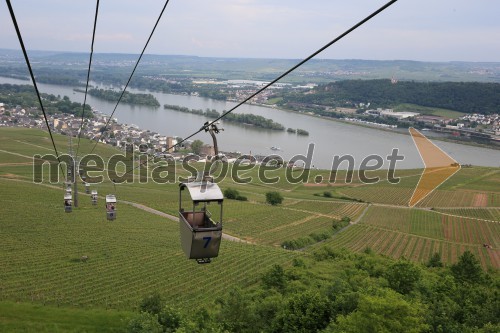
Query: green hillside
(139, 253)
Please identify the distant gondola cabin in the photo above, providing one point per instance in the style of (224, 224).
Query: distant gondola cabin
(93, 197)
(68, 187)
(68, 204)
(110, 207)
(200, 230)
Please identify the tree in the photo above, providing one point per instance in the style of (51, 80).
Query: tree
(305, 312)
(170, 319)
(467, 269)
(144, 323)
(200, 321)
(196, 146)
(382, 313)
(235, 314)
(435, 260)
(265, 310)
(275, 278)
(403, 276)
(274, 198)
(152, 304)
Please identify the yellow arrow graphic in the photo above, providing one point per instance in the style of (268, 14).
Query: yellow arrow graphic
(439, 166)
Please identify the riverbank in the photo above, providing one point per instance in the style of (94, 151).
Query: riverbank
(400, 130)
(330, 139)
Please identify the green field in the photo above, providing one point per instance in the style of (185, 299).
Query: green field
(424, 110)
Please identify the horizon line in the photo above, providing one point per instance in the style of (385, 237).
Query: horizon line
(253, 58)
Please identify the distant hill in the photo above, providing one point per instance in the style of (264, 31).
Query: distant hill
(75, 64)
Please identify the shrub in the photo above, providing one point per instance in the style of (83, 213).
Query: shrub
(145, 322)
(327, 194)
(337, 225)
(318, 237)
(274, 198)
(231, 193)
(152, 304)
(298, 243)
(170, 319)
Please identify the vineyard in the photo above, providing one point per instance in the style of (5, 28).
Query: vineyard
(469, 187)
(332, 208)
(42, 249)
(392, 195)
(390, 226)
(475, 179)
(458, 198)
(396, 244)
(266, 224)
(492, 214)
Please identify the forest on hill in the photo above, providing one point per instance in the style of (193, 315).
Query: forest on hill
(467, 97)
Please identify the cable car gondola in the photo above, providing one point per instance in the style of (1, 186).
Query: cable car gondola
(93, 197)
(110, 207)
(200, 234)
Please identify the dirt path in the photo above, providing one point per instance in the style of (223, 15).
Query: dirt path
(361, 215)
(15, 164)
(175, 218)
(16, 154)
(466, 217)
(31, 144)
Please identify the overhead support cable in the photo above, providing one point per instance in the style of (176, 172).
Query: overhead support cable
(133, 71)
(19, 36)
(354, 27)
(345, 33)
(88, 77)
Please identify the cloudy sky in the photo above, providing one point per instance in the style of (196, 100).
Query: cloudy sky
(428, 30)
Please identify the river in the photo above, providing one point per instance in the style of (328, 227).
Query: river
(330, 137)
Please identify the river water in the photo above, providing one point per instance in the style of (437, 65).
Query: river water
(330, 137)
